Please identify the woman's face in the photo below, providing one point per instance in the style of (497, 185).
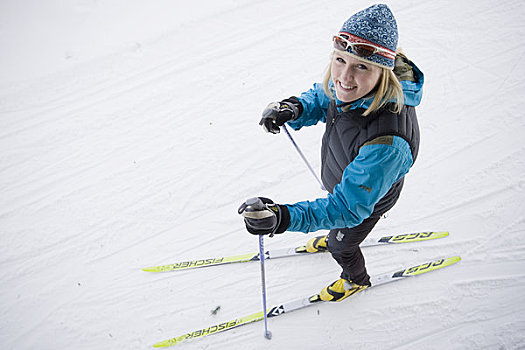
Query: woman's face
(353, 78)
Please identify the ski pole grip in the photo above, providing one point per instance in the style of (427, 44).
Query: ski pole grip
(251, 205)
(255, 204)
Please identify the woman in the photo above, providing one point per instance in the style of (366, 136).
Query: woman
(371, 140)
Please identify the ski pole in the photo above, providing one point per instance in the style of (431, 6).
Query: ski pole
(303, 157)
(267, 333)
(256, 204)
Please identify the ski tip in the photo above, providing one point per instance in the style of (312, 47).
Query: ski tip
(447, 261)
(455, 259)
(427, 267)
(441, 234)
(415, 237)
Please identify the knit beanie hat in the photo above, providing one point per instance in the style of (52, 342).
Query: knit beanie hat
(375, 25)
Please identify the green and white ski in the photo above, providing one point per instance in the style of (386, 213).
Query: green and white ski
(288, 252)
(308, 301)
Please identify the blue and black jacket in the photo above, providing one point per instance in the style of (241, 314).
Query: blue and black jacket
(364, 159)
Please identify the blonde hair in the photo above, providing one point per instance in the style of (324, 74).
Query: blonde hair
(387, 91)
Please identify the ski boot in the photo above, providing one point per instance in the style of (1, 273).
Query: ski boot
(317, 244)
(340, 290)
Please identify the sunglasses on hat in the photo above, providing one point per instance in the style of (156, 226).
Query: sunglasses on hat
(361, 49)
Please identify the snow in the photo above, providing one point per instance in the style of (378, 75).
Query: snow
(129, 137)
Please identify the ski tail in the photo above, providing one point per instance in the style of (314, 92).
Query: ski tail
(301, 303)
(221, 327)
(203, 263)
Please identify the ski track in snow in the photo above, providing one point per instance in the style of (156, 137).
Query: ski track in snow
(124, 148)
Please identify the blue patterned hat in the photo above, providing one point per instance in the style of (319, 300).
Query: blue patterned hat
(375, 25)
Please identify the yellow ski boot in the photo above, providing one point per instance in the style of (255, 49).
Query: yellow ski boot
(340, 290)
(317, 244)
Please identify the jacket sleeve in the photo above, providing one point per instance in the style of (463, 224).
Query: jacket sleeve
(315, 105)
(365, 181)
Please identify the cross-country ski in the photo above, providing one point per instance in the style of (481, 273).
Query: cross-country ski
(301, 303)
(296, 251)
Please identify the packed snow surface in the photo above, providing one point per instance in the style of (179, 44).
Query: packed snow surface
(129, 136)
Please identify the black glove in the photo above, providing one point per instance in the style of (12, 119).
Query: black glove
(263, 217)
(278, 113)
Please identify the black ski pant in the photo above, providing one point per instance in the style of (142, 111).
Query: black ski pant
(343, 244)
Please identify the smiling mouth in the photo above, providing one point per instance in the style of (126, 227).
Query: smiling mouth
(346, 87)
